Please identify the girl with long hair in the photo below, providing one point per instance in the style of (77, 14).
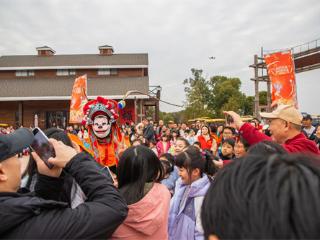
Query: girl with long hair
(139, 173)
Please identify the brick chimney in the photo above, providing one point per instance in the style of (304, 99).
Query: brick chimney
(106, 50)
(45, 51)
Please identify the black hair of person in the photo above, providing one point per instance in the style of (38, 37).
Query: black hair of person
(197, 143)
(229, 141)
(137, 166)
(240, 139)
(209, 167)
(192, 158)
(167, 136)
(230, 128)
(206, 126)
(265, 197)
(213, 128)
(266, 148)
(175, 131)
(168, 163)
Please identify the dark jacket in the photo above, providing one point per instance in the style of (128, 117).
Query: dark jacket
(148, 133)
(39, 215)
(299, 143)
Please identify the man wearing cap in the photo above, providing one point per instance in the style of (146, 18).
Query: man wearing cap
(308, 129)
(285, 128)
(40, 214)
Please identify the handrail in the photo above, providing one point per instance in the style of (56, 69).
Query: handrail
(298, 48)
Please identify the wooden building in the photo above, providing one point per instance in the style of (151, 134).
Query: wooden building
(38, 87)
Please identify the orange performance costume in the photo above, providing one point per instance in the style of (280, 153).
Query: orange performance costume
(100, 119)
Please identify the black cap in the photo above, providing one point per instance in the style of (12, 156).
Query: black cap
(307, 117)
(13, 143)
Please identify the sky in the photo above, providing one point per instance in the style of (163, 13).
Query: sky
(177, 35)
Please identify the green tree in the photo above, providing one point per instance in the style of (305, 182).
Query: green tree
(209, 98)
(166, 117)
(197, 94)
(226, 95)
(249, 102)
(263, 98)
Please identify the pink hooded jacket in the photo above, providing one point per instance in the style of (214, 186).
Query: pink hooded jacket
(148, 218)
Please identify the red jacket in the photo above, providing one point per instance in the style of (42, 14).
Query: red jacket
(160, 148)
(299, 143)
(204, 144)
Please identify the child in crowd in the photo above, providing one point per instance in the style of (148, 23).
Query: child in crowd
(139, 172)
(227, 132)
(184, 216)
(191, 137)
(171, 171)
(181, 144)
(174, 136)
(227, 149)
(163, 145)
(240, 147)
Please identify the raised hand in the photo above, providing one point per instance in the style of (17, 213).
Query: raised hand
(237, 121)
(63, 152)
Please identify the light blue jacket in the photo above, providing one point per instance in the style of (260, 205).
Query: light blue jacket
(170, 182)
(185, 220)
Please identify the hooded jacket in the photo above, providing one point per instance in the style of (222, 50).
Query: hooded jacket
(185, 209)
(148, 218)
(30, 216)
(299, 143)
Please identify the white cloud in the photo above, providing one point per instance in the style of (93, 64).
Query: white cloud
(178, 35)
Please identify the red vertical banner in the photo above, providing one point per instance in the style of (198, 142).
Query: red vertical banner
(78, 99)
(280, 68)
(127, 115)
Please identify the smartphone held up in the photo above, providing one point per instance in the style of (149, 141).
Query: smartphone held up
(229, 119)
(42, 146)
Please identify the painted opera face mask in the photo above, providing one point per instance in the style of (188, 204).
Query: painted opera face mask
(101, 126)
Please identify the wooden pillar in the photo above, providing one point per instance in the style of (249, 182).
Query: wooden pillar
(141, 110)
(20, 113)
(268, 95)
(135, 110)
(157, 107)
(256, 87)
(157, 110)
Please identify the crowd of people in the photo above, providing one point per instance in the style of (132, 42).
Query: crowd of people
(246, 180)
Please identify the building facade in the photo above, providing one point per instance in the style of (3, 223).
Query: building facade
(37, 88)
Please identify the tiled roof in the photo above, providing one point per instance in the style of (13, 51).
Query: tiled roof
(62, 86)
(73, 60)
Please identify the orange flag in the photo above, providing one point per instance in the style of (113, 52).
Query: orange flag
(78, 99)
(281, 72)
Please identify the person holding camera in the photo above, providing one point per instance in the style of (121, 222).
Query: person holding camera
(285, 127)
(39, 214)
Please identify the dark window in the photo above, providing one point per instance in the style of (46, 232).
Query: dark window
(145, 72)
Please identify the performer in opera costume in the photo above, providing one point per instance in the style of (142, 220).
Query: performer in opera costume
(104, 135)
